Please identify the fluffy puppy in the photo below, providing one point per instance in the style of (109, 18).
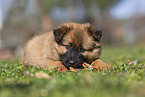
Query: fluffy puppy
(67, 46)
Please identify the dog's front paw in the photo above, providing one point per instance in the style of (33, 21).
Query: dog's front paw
(100, 65)
(61, 68)
(55, 65)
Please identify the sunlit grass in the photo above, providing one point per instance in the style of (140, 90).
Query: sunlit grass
(127, 80)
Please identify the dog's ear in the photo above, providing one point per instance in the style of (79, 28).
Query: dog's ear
(97, 34)
(59, 32)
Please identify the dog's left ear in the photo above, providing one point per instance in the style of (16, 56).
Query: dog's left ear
(59, 32)
(97, 34)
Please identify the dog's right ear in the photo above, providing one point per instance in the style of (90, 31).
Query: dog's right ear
(59, 32)
(97, 34)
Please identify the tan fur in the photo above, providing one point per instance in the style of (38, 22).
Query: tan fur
(84, 38)
(43, 51)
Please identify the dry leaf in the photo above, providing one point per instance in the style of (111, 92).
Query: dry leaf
(73, 69)
(42, 74)
(88, 66)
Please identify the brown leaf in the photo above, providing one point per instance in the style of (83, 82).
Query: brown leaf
(88, 66)
(73, 69)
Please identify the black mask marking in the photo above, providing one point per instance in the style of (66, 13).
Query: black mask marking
(72, 58)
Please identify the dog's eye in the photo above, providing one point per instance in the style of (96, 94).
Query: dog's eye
(82, 50)
(86, 50)
(67, 46)
(89, 50)
(70, 44)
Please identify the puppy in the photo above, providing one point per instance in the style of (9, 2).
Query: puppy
(67, 46)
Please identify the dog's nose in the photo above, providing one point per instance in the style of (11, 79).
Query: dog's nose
(71, 62)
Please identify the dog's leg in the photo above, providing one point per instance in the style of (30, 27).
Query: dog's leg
(48, 64)
(51, 64)
(99, 64)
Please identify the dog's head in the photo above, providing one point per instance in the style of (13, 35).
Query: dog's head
(78, 43)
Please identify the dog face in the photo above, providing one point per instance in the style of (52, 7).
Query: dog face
(78, 43)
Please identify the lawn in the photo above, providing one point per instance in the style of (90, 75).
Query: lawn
(127, 80)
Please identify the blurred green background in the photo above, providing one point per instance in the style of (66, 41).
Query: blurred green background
(122, 21)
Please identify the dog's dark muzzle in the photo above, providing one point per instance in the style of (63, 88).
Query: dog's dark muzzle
(72, 59)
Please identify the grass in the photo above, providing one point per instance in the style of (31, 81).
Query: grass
(127, 80)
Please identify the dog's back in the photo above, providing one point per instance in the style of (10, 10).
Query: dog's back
(35, 49)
